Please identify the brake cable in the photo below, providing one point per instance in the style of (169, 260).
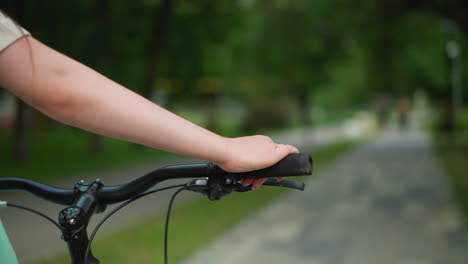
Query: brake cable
(93, 234)
(34, 212)
(166, 228)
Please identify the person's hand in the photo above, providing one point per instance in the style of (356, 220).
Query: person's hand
(253, 153)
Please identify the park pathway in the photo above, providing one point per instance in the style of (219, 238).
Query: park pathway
(34, 238)
(387, 202)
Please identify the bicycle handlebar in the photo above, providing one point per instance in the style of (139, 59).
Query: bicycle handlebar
(292, 165)
(53, 194)
(87, 198)
(118, 193)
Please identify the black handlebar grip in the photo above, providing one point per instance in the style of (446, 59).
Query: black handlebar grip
(299, 164)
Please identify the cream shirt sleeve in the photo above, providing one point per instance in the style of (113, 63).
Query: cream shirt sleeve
(9, 31)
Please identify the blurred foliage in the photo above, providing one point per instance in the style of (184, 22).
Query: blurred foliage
(454, 157)
(276, 59)
(248, 64)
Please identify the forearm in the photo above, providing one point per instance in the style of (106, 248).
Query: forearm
(75, 94)
(106, 108)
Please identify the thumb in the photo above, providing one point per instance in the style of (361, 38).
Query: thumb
(283, 150)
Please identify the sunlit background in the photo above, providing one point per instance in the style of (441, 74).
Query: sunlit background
(327, 76)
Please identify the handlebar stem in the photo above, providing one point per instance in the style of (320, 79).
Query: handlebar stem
(75, 218)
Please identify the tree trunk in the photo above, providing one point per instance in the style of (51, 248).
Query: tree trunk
(212, 114)
(382, 64)
(305, 106)
(159, 28)
(20, 152)
(20, 149)
(447, 125)
(103, 58)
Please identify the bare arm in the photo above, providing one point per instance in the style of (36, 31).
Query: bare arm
(72, 93)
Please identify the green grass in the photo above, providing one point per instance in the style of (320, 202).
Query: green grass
(453, 153)
(454, 158)
(59, 152)
(462, 120)
(193, 224)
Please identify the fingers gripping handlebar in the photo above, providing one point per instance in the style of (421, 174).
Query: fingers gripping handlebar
(299, 164)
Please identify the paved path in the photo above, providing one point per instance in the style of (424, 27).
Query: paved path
(29, 233)
(385, 203)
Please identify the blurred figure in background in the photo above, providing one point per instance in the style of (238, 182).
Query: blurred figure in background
(403, 113)
(382, 106)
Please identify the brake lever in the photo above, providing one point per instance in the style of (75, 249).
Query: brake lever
(293, 184)
(218, 187)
